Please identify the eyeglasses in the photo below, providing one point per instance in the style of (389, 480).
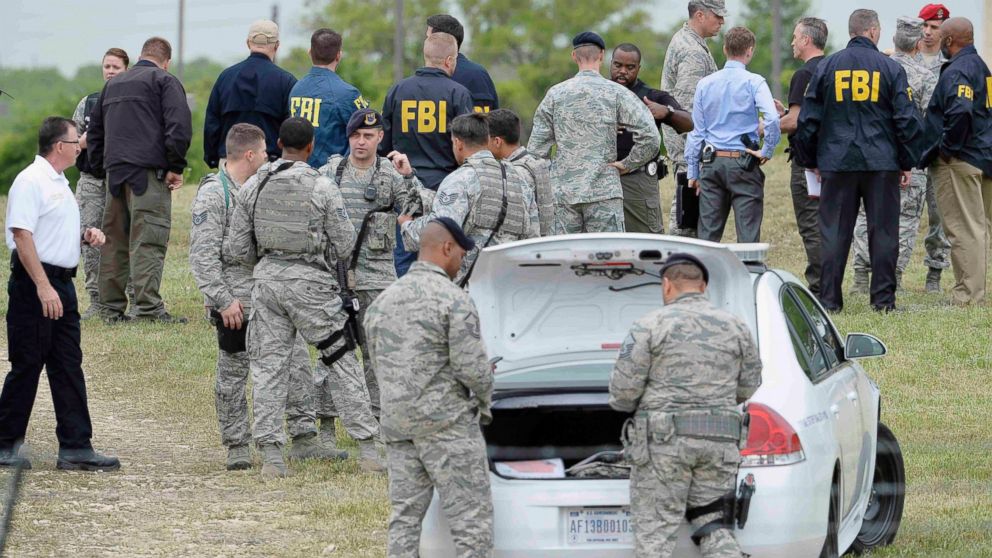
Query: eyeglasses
(67, 141)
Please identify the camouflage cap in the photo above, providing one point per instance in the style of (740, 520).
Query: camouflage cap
(456, 232)
(909, 28)
(364, 118)
(684, 258)
(716, 6)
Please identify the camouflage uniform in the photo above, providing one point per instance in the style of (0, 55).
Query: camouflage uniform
(581, 116)
(91, 197)
(222, 280)
(374, 272)
(923, 82)
(472, 196)
(535, 172)
(425, 343)
(686, 360)
(687, 61)
(936, 243)
(296, 229)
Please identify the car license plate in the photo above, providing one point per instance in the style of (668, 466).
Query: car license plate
(590, 526)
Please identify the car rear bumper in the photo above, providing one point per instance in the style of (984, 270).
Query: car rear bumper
(787, 517)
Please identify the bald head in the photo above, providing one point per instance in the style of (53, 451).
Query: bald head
(440, 51)
(439, 247)
(955, 34)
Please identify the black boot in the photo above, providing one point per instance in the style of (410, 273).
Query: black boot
(86, 460)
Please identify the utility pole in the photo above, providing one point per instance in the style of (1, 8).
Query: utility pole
(275, 13)
(182, 33)
(399, 41)
(776, 49)
(987, 30)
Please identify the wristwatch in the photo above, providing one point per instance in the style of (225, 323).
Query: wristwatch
(671, 111)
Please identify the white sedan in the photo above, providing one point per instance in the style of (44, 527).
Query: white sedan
(828, 476)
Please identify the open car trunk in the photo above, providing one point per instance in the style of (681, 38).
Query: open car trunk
(571, 426)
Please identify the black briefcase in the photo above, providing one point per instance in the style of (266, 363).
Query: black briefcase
(686, 203)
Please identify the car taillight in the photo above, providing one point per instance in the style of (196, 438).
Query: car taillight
(771, 440)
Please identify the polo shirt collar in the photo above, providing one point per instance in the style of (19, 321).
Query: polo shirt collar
(50, 171)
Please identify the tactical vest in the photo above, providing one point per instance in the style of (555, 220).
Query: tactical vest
(543, 194)
(82, 161)
(484, 213)
(360, 199)
(283, 215)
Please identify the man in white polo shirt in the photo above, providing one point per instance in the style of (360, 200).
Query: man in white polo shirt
(43, 233)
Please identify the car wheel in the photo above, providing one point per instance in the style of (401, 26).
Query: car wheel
(831, 547)
(888, 495)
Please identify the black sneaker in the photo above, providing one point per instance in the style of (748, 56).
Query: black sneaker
(9, 458)
(163, 318)
(86, 460)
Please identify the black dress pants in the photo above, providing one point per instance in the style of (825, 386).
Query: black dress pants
(35, 342)
(841, 194)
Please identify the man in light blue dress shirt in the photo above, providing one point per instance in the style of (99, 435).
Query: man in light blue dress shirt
(727, 111)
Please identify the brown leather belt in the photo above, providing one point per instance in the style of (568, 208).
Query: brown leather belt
(730, 154)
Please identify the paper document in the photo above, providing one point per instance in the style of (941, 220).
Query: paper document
(812, 184)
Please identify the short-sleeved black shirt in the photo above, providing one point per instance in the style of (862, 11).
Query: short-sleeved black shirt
(799, 83)
(625, 139)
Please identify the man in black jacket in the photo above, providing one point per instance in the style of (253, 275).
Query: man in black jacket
(253, 91)
(860, 131)
(959, 146)
(139, 133)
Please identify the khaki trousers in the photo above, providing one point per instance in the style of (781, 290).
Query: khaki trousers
(964, 198)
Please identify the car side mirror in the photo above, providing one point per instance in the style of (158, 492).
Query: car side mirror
(862, 345)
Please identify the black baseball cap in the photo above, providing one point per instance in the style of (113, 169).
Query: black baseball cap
(456, 231)
(679, 258)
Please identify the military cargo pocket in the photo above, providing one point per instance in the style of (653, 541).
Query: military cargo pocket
(155, 230)
(732, 455)
(381, 237)
(635, 441)
(652, 214)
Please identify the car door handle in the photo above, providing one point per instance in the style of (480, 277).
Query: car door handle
(852, 396)
(835, 409)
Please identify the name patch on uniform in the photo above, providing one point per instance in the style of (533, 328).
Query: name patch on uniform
(199, 218)
(445, 198)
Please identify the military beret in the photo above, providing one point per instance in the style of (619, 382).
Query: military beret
(716, 6)
(456, 231)
(679, 258)
(588, 38)
(363, 118)
(910, 28)
(934, 11)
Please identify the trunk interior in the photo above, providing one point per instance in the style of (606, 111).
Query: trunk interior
(569, 426)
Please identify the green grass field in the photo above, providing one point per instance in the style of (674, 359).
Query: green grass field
(152, 403)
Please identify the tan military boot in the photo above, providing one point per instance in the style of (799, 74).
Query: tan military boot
(273, 466)
(309, 446)
(369, 458)
(862, 282)
(328, 436)
(238, 458)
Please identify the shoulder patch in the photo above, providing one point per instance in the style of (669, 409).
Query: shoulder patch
(342, 212)
(199, 218)
(472, 325)
(444, 198)
(627, 348)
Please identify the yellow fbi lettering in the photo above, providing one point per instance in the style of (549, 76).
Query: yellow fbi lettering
(861, 84)
(428, 116)
(966, 92)
(988, 92)
(307, 108)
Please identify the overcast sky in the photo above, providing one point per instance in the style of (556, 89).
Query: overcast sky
(70, 33)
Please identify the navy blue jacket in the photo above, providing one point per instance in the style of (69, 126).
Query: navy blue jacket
(254, 91)
(958, 121)
(416, 117)
(327, 101)
(476, 79)
(857, 115)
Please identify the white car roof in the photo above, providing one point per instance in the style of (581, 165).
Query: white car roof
(551, 300)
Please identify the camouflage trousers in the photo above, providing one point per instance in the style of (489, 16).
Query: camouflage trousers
(910, 210)
(673, 223)
(683, 473)
(938, 247)
(353, 386)
(282, 311)
(592, 217)
(452, 461)
(232, 404)
(91, 195)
